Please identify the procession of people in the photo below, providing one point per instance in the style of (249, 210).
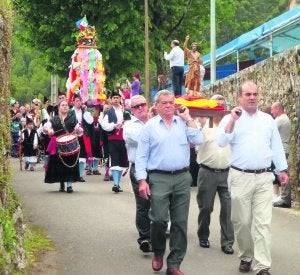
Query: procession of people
(78, 137)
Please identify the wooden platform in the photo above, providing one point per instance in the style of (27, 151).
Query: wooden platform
(208, 113)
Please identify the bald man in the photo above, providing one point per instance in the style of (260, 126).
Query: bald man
(284, 127)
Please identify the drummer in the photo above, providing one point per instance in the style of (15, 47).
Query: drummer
(62, 169)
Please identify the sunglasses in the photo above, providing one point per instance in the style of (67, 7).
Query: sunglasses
(138, 106)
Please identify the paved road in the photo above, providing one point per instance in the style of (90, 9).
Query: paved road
(95, 233)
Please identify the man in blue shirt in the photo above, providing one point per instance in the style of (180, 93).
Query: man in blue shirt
(163, 155)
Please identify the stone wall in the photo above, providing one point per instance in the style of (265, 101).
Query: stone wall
(278, 79)
(12, 253)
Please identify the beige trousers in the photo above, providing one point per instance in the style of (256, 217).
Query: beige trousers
(251, 215)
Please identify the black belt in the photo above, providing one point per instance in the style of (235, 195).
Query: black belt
(256, 171)
(174, 172)
(213, 169)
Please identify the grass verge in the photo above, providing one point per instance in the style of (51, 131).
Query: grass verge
(35, 242)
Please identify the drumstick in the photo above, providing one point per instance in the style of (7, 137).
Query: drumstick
(58, 131)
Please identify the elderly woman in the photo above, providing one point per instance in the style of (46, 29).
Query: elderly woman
(62, 168)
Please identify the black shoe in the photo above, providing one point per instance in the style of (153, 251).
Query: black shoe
(145, 246)
(204, 243)
(120, 189)
(281, 204)
(227, 249)
(81, 179)
(245, 266)
(26, 165)
(62, 187)
(115, 189)
(69, 189)
(96, 172)
(88, 172)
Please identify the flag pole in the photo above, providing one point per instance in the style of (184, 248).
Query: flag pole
(147, 71)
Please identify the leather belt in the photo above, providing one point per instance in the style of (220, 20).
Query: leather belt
(256, 171)
(213, 169)
(174, 172)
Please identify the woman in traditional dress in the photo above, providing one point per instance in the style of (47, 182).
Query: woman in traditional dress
(62, 168)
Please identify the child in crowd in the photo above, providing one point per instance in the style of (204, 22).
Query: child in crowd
(30, 144)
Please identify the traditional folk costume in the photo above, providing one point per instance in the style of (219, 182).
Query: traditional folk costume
(104, 139)
(86, 78)
(116, 144)
(29, 139)
(44, 139)
(62, 168)
(96, 147)
(85, 120)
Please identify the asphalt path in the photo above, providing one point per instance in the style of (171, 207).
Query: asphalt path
(94, 230)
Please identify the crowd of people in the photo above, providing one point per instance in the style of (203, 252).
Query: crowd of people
(233, 158)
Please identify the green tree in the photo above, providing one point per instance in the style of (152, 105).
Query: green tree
(50, 27)
(120, 28)
(251, 14)
(29, 77)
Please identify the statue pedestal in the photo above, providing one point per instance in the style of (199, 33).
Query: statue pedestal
(207, 113)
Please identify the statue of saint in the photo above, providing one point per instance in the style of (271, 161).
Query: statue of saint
(194, 60)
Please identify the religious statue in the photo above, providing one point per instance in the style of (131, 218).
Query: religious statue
(194, 60)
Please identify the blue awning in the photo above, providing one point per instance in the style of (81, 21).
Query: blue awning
(284, 29)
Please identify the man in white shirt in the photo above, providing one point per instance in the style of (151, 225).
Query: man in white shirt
(131, 134)
(255, 143)
(112, 123)
(176, 58)
(212, 179)
(85, 120)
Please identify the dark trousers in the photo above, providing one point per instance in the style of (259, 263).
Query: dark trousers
(209, 183)
(177, 79)
(142, 220)
(194, 166)
(14, 144)
(170, 194)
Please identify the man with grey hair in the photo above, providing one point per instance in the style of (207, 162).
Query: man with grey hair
(176, 58)
(163, 157)
(131, 134)
(284, 127)
(212, 178)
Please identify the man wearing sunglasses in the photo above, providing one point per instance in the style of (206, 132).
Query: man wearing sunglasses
(131, 134)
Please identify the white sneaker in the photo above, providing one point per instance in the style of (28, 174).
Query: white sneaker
(276, 198)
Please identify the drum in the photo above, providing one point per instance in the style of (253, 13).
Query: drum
(67, 145)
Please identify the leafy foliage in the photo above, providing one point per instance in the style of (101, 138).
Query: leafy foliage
(120, 27)
(29, 77)
(49, 26)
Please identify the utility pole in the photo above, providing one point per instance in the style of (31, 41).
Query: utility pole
(212, 41)
(147, 71)
(54, 88)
